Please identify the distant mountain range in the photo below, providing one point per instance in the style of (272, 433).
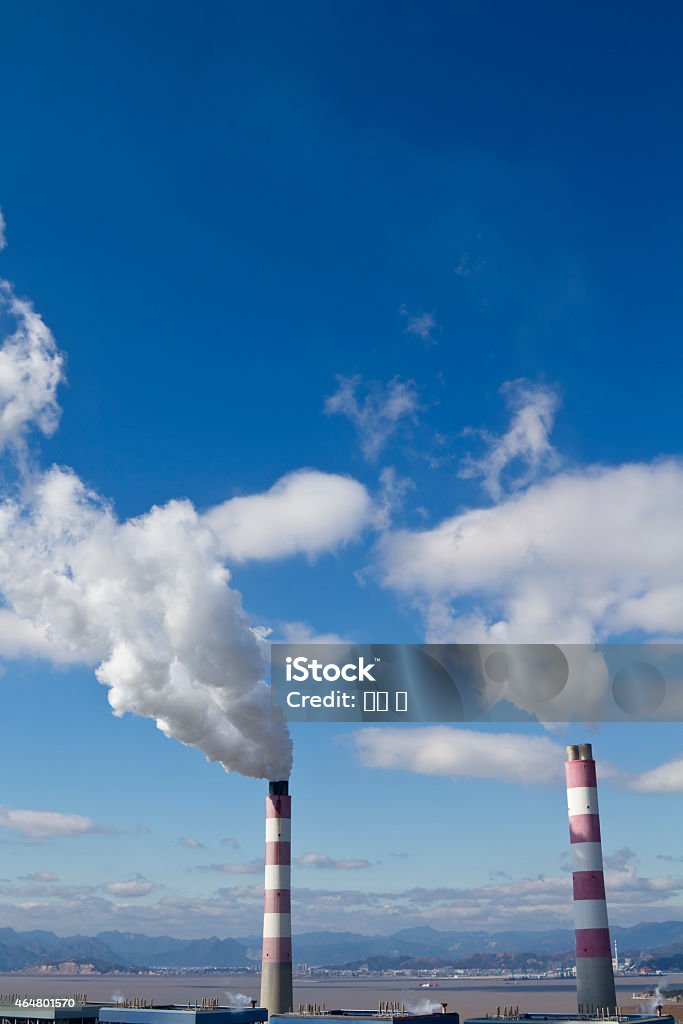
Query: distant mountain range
(662, 943)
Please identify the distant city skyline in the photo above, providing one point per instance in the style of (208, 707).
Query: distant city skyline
(364, 326)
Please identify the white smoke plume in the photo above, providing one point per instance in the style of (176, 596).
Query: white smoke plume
(423, 1006)
(149, 600)
(650, 1004)
(152, 597)
(236, 999)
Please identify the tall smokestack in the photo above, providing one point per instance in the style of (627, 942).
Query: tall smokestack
(276, 968)
(594, 973)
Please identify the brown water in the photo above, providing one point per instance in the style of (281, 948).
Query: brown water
(470, 996)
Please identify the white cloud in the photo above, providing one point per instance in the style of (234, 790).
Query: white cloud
(307, 512)
(3, 237)
(252, 867)
(540, 902)
(303, 633)
(392, 493)
(132, 888)
(42, 876)
(462, 753)
(525, 444)
(583, 555)
(47, 824)
(379, 415)
(422, 325)
(325, 862)
(31, 368)
(666, 778)
(191, 843)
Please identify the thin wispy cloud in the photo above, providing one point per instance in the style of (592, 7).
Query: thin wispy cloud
(252, 867)
(468, 264)
(420, 325)
(304, 633)
(376, 410)
(324, 862)
(31, 369)
(191, 843)
(3, 236)
(524, 448)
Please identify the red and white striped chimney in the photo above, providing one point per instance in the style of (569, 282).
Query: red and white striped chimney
(594, 972)
(276, 965)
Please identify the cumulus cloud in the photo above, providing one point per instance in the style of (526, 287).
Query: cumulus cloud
(47, 824)
(462, 753)
(379, 414)
(325, 862)
(31, 369)
(130, 889)
(578, 557)
(191, 843)
(526, 443)
(307, 512)
(421, 325)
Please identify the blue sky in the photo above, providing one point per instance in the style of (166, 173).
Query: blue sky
(320, 238)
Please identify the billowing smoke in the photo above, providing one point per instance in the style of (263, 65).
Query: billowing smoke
(650, 1003)
(236, 999)
(148, 601)
(424, 1006)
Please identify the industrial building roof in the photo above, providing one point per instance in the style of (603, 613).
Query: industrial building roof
(95, 1012)
(571, 1018)
(10, 1011)
(373, 1016)
(182, 1015)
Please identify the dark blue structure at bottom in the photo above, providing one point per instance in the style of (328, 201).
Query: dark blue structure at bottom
(182, 1015)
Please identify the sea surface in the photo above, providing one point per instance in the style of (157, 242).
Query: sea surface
(469, 996)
